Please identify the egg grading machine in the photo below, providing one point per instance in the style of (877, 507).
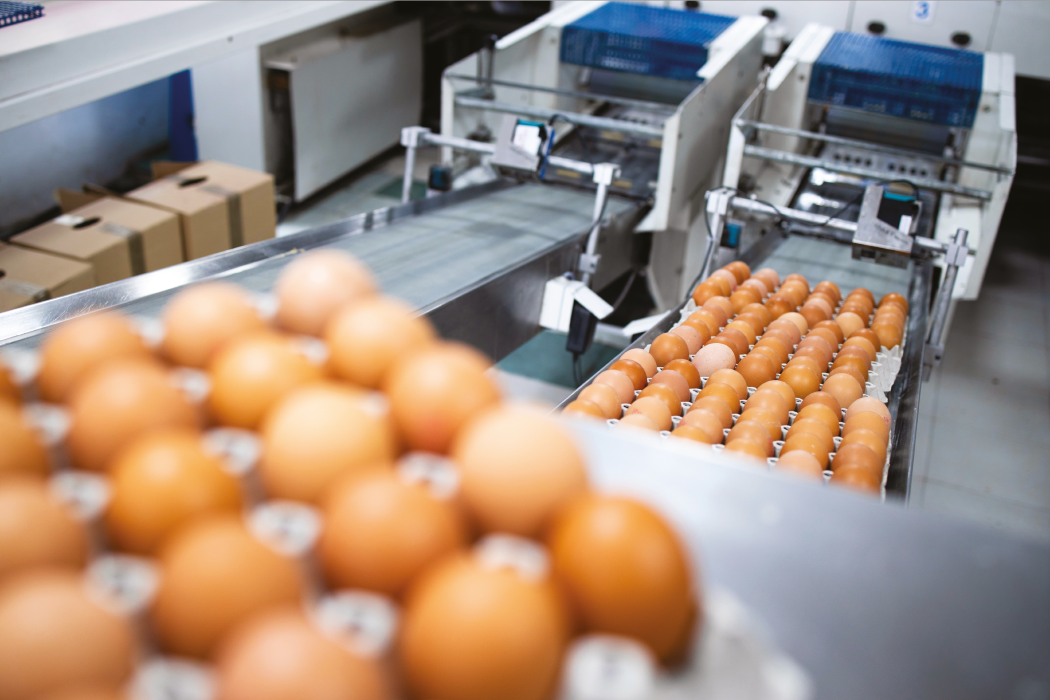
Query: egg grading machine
(855, 148)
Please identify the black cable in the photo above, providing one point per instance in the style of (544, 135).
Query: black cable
(626, 288)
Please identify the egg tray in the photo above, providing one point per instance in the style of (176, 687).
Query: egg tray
(881, 380)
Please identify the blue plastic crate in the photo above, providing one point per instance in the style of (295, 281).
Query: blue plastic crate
(15, 12)
(913, 81)
(634, 38)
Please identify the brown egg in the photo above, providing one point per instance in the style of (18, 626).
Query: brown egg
(766, 418)
(705, 290)
(620, 383)
(368, 336)
(829, 288)
(722, 284)
(815, 352)
(9, 390)
(855, 309)
(668, 347)
(813, 427)
(161, 481)
(778, 305)
(704, 318)
(736, 338)
(783, 389)
(802, 380)
(667, 395)
(700, 326)
(53, 636)
(714, 357)
(475, 629)
(800, 462)
(381, 531)
(626, 572)
(634, 371)
(23, 452)
(725, 342)
(726, 275)
(89, 691)
(806, 359)
(862, 342)
(822, 398)
(252, 373)
(693, 340)
(639, 420)
(831, 338)
(894, 297)
(314, 285)
(794, 291)
(320, 433)
(653, 408)
(688, 370)
(733, 379)
(780, 334)
(857, 477)
(769, 352)
(825, 301)
(674, 380)
(819, 342)
(751, 431)
(758, 325)
(813, 313)
(758, 286)
(691, 432)
(36, 530)
(776, 345)
(757, 369)
(891, 315)
(871, 422)
(889, 335)
(860, 376)
(643, 358)
(866, 334)
(858, 352)
(747, 450)
(787, 327)
(518, 467)
(74, 348)
(746, 329)
(116, 404)
(796, 276)
(865, 292)
(869, 440)
(586, 408)
(435, 391)
(763, 314)
(720, 308)
(834, 329)
(200, 319)
(214, 576)
(807, 442)
(721, 302)
(844, 388)
(769, 276)
(603, 396)
(739, 269)
(859, 454)
(279, 654)
(707, 423)
(855, 358)
(849, 322)
(724, 392)
(822, 413)
(715, 406)
(770, 400)
(742, 297)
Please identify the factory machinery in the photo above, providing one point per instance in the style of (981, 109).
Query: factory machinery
(786, 169)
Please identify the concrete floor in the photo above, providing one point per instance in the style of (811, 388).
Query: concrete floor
(983, 441)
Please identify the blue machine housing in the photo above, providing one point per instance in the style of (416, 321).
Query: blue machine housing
(897, 78)
(641, 39)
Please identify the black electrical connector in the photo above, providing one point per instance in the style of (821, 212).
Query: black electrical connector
(581, 329)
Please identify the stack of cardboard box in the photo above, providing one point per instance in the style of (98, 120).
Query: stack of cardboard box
(190, 210)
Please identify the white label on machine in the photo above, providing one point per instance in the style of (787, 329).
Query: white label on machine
(527, 137)
(905, 224)
(922, 11)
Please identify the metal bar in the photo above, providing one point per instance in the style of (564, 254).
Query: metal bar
(879, 148)
(481, 147)
(410, 167)
(944, 296)
(809, 162)
(643, 104)
(803, 216)
(904, 398)
(31, 319)
(543, 113)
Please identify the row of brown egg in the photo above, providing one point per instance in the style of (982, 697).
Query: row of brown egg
(768, 358)
(292, 486)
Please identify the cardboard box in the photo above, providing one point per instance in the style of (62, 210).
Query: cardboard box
(118, 238)
(221, 206)
(31, 276)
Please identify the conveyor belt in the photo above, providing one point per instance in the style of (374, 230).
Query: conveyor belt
(427, 259)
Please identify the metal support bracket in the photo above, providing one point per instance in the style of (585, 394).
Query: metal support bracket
(412, 137)
(955, 256)
(603, 175)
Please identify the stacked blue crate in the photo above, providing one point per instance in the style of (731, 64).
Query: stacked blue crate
(914, 81)
(15, 12)
(641, 39)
